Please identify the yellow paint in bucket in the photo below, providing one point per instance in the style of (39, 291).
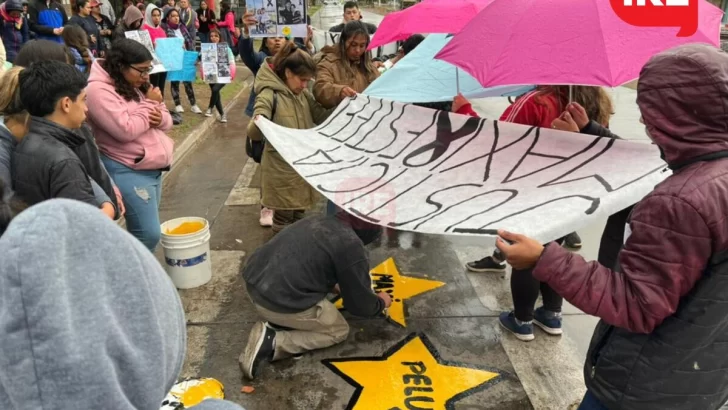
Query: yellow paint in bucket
(186, 228)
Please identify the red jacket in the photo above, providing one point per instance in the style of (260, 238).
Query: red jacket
(667, 346)
(538, 110)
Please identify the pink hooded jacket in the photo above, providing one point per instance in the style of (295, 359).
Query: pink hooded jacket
(154, 32)
(121, 127)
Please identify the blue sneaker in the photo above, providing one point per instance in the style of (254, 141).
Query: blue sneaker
(550, 326)
(523, 332)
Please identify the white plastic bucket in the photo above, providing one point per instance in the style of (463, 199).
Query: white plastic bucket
(187, 257)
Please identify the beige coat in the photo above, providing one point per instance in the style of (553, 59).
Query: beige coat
(283, 189)
(332, 76)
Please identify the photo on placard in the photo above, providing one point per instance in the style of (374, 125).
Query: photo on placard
(146, 39)
(209, 52)
(143, 37)
(209, 72)
(222, 54)
(292, 18)
(223, 70)
(265, 12)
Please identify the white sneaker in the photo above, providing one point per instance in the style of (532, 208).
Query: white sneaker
(195, 109)
(179, 109)
(266, 217)
(223, 118)
(208, 113)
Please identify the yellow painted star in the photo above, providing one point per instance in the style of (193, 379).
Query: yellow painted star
(410, 375)
(386, 278)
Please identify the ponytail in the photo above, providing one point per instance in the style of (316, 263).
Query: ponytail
(295, 60)
(10, 105)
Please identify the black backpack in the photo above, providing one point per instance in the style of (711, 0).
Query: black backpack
(254, 149)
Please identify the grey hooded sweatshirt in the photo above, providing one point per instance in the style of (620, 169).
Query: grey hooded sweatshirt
(88, 317)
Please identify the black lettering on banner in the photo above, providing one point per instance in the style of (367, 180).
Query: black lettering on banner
(444, 137)
(472, 205)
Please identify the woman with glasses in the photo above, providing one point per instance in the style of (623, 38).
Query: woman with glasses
(130, 122)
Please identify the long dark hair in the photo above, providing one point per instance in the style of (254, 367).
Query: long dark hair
(292, 58)
(75, 37)
(79, 5)
(42, 50)
(224, 8)
(123, 54)
(353, 29)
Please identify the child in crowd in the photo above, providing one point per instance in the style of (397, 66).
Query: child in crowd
(47, 162)
(174, 28)
(76, 40)
(215, 99)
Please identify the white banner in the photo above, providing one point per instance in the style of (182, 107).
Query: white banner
(415, 169)
(322, 39)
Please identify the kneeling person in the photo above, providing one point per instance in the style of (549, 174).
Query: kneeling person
(289, 278)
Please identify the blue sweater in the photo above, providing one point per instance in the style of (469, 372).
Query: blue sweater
(45, 18)
(253, 60)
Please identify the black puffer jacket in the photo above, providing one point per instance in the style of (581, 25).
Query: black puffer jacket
(55, 162)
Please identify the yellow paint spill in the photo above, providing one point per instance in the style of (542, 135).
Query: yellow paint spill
(193, 392)
(186, 228)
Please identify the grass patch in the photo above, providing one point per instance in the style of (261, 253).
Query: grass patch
(313, 9)
(191, 121)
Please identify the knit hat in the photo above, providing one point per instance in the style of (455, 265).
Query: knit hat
(14, 5)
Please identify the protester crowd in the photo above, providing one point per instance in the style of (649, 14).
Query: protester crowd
(84, 119)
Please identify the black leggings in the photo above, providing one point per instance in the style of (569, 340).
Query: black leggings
(215, 99)
(188, 89)
(525, 289)
(159, 80)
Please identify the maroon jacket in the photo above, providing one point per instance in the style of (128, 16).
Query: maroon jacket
(663, 339)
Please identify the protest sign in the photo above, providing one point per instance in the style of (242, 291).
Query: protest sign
(170, 52)
(189, 68)
(278, 18)
(215, 63)
(445, 173)
(142, 36)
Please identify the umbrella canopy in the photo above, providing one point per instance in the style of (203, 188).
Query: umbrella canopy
(564, 42)
(429, 16)
(419, 78)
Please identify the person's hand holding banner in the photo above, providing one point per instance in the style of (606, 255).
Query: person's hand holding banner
(520, 251)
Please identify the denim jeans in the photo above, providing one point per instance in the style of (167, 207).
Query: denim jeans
(142, 193)
(204, 37)
(590, 402)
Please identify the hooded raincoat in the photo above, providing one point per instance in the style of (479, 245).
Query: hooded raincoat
(283, 188)
(83, 329)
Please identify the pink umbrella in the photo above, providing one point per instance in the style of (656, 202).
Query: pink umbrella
(513, 42)
(429, 16)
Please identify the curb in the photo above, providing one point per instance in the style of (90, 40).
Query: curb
(195, 138)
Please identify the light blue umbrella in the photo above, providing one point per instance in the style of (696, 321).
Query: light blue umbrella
(419, 77)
